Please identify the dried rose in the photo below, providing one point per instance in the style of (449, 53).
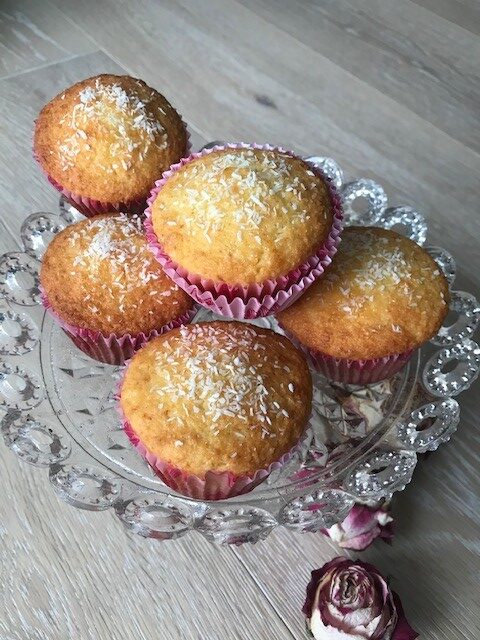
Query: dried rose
(350, 600)
(361, 526)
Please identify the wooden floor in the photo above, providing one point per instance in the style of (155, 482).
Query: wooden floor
(391, 89)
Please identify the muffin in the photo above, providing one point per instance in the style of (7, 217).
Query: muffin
(242, 228)
(104, 141)
(382, 298)
(107, 291)
(214, 407)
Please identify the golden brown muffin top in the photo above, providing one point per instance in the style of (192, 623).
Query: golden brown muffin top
(242, 215)
(109, 138)
(218, 396)
(382, 295)
(99, 274)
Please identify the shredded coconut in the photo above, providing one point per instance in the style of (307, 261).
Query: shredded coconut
(213, 373)
(122, 116)
(112, 243)
(369, 265)
(247, 180)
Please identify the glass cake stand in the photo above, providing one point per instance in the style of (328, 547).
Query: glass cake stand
(58, 409)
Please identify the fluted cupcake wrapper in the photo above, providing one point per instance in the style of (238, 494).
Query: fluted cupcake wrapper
(112, 348)
(361, 372)
(216, 485)
(89, 206)
(349, 371)
(257, 299)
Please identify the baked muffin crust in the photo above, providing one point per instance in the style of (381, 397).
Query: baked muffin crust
(109, 138)
(222, 396)
(242, 215)
(382, 295)
(99, 274)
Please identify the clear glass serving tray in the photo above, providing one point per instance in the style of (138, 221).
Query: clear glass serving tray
(58, 408)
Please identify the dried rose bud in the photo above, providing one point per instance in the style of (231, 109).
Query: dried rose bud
(350, 600)
(361, 526)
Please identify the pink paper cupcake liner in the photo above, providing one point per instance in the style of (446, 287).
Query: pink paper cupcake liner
(216, 485)
(347, 371)
(361, 372)
(257, 299)
(112, 349)
(89, 206)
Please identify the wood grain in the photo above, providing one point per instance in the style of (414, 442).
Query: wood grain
(400, 39)
(433, 562)
(465, 13)
(31, 37)
(221, 85)
(390, 89)
(69, 574)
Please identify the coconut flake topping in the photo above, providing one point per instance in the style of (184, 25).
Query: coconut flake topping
(221, 374)
(367, 265)
(241, 187)
(108, 247)
(117, 115)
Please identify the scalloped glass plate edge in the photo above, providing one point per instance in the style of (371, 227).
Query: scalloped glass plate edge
(101, 475)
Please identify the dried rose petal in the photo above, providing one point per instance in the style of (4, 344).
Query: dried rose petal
(362, 526)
